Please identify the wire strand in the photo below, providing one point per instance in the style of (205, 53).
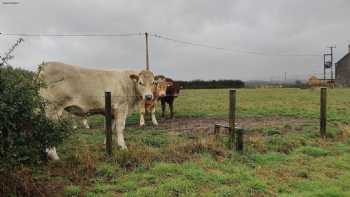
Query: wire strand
(190, 43)
(230, 50)
(72, 35)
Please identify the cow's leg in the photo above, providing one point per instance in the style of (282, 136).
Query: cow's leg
(171, 107)
(163, 107)
(142, 113)
(85, 122)
(153, 112)
(120, 118)
(75, 124)
(52, 154)
(53, 113)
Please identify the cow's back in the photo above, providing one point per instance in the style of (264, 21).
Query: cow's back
(73, 85)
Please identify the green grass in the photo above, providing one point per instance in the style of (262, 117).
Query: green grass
(72, 190)
(265, 102)
(278, 160)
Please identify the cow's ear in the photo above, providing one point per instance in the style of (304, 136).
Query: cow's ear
(169, 83)
(134, 77)
(159, 77)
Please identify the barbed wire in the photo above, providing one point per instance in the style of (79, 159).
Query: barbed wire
(230, 50)
(73, 35)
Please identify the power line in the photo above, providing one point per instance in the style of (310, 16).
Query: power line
(190, 43)
(231, 50)
(72, 35)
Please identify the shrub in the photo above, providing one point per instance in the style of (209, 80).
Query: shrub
(25, 132)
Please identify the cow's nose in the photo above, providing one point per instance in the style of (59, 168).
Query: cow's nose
(148, 97)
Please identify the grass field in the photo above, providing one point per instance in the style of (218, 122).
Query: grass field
(284, 155)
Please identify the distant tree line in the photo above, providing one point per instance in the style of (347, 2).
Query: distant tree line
(211, 84)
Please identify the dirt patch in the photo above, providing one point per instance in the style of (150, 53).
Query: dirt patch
(207, 123)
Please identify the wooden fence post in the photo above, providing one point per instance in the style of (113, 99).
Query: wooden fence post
(232, 117)
(108, 116)
(239, 139)
(216, 131)
(323, 112)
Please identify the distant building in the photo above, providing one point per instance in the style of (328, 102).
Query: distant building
(342, 70)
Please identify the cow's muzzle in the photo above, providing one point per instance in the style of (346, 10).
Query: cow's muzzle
(148, 97)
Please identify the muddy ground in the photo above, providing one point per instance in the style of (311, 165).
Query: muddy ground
(207, 123)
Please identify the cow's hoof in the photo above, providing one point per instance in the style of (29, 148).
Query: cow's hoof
(52, 154)
(54, 157)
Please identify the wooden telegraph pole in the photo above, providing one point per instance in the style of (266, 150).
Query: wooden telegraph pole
(147, 56)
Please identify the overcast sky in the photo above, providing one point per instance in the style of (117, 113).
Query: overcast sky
(268, 26)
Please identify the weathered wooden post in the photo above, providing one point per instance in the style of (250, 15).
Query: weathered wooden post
(216, 131)
(232, 117)
(108, 126)
(323, 112)
(239, 139)
(147, 55)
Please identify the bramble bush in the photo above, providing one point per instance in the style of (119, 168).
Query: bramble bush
(25, 131)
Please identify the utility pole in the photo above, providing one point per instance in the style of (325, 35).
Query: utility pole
(324, 67)
(332, 62)
(8, 55)
(147, 56)
(328, 63)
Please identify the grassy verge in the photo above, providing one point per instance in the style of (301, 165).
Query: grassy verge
(282, 160)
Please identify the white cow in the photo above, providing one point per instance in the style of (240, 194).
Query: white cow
(69, 86)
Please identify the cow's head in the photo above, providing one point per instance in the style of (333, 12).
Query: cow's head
(144, 84)
(161, 85)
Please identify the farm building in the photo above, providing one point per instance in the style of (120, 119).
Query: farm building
(342, 70)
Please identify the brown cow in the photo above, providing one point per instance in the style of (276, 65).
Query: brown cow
(150, 106)
(314, 82)
(172, 92)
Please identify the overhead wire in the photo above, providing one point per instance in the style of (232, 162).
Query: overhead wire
(230, 50)
(72, 35)
(167, 38)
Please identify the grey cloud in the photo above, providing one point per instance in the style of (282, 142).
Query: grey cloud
(270, 26)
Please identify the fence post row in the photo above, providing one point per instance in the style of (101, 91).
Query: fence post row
(323, 112)
(108, 121)
(232, 116)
